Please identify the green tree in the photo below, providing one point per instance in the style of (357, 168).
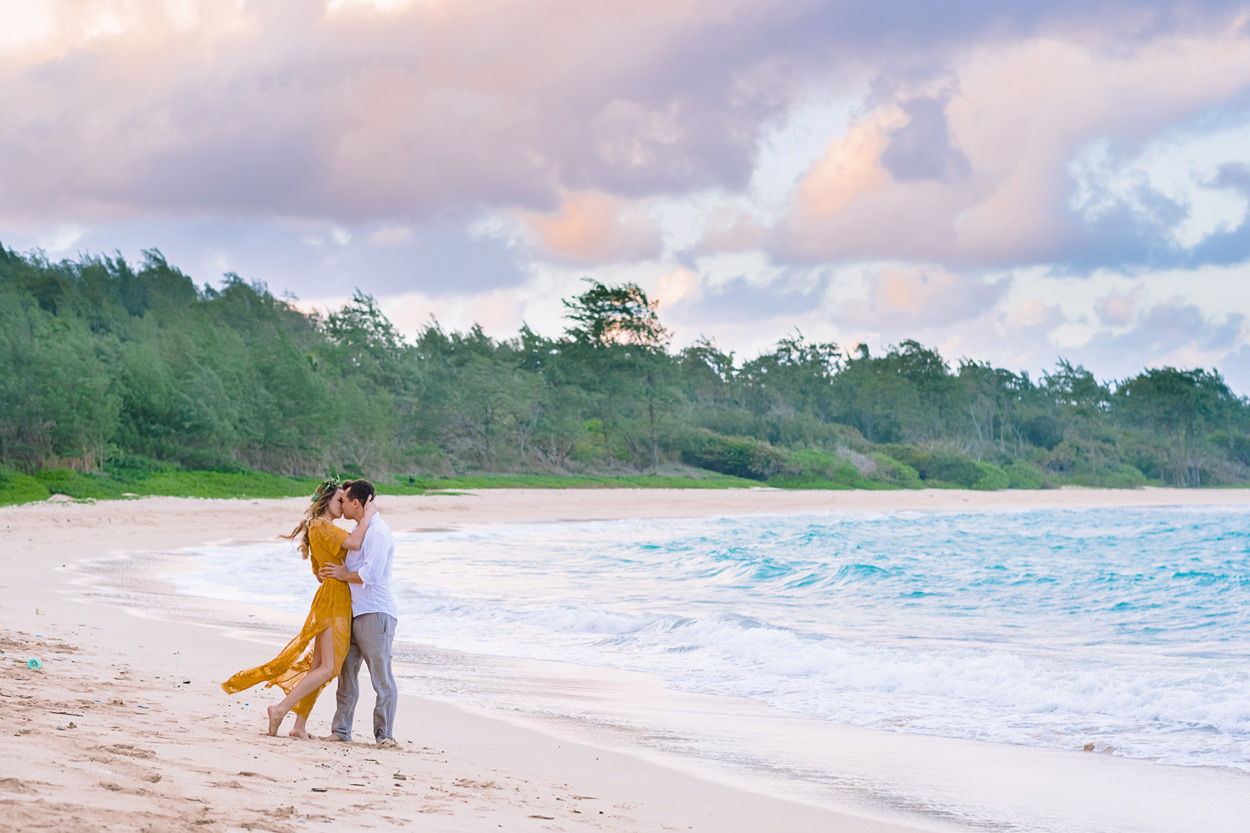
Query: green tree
(1181, 407)
(617, 340)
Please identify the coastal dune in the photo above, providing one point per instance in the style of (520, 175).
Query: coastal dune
(124, 726)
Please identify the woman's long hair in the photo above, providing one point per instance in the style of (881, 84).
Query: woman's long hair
(320, 503)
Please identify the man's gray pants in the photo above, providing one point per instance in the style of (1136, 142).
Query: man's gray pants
(373, 634)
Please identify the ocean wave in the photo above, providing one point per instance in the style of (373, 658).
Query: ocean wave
(1122, 629)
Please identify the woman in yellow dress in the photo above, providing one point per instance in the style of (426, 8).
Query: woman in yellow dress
(300, 670)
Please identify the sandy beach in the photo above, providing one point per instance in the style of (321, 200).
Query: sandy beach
(125, 726)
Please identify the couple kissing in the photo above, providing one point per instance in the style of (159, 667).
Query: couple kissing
(352, 619)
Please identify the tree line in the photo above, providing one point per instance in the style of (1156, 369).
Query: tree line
(109, 365)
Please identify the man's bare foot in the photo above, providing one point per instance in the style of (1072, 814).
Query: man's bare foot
(337, 738)
(275, 720)
(388, 743)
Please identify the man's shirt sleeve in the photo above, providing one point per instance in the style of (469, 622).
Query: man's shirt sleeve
(371, 568)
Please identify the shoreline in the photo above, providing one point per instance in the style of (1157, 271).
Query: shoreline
(147, 749)
(475, 768)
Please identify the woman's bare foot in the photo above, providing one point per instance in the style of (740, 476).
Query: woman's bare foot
(300, 729)
(275, 719)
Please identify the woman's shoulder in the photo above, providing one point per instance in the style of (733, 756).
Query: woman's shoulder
(324, 527)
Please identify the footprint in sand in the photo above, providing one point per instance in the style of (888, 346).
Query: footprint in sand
(468, 783)
(13, 785)
(129, 750)
(247, 773)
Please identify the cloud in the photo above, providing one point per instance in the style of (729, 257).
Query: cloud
(728, 229)
(674, 287)
(922, 298)
(377, 110)
(61, 238)
(1234, 176)
(498, 313)
(851, 169)
(430, 109)
(921, 149)
(1175, 333)
(1117, 309)
(984, 178)
(594, 227)
(391, 236)
(1235, 368)
(741, 300)
(306, 259)
(1030, 313)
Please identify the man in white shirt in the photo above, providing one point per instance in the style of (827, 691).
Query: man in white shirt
(374, 616)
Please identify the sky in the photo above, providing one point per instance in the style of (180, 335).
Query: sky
(1012, 182)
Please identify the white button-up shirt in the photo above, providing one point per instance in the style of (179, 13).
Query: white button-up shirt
(372, 562)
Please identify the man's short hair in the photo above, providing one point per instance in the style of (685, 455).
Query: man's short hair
(360, 490)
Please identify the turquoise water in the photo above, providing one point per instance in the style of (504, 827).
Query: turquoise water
(1122, 629)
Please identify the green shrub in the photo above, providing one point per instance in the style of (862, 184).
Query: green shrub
(1022, 475)
(811, 461)
(199, 460)
(814, 469)
(847, 475)
(739, 457)
(891, 472)
(992, 478)
(955, 468)
(127, 468)
(1112, 476)
(939, 467)
(19, 488)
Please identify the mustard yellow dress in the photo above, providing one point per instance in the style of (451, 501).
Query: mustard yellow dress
(331, 608)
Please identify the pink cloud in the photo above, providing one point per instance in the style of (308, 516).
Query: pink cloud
(672, 288)
(1015, 114)
(594, 227)
(421, 110)
(1117, 309)
(731, 230)
(915, 298)
(420, 113)
(391, 236)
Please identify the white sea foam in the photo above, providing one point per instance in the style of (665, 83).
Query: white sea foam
(1124, 629)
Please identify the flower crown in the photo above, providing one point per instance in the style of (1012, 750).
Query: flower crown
(327, 486)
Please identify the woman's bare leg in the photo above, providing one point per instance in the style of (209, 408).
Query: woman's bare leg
(300, 729)
(320, 673)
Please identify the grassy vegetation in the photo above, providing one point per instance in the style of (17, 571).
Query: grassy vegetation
(704, 480)
(19, 488)
(132, 476)
(217, 484)
(140, 478)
